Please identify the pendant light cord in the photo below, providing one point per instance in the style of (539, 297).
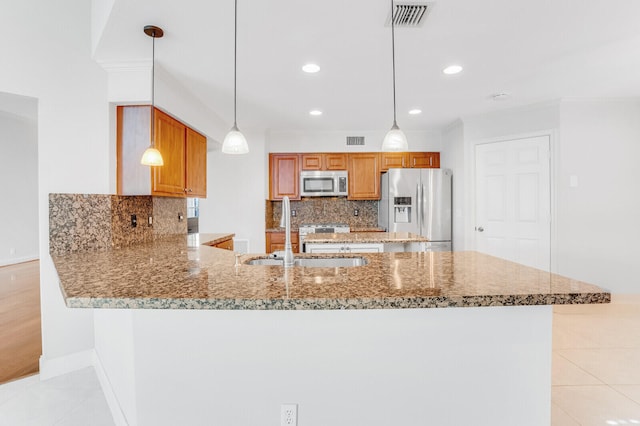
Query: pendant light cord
(153, 89)
(235, 64)
(393, 61)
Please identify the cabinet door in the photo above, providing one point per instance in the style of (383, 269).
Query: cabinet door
(393, 160)
(196, 164)
(311, 161)
(335, 161)
(364, 176)
(424, 159)
(324, 248)
(275, 241)
(170, 141)
(284, 176)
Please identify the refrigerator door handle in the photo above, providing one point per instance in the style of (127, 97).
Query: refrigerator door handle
(423, 212)
(418, 208)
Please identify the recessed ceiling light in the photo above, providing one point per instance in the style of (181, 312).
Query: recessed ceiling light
(415, 111)
(315, 112)
(310, 68)
(500, 96)
(452, 69)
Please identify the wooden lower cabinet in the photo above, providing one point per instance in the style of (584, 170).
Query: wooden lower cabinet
(275, 241)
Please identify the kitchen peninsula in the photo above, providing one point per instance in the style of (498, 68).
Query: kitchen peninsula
(197, 339)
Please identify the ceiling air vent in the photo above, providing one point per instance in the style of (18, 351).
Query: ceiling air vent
(409, 15)
(355, 140)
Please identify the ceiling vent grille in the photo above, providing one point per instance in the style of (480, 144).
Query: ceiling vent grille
(409, 15)
(355, 140)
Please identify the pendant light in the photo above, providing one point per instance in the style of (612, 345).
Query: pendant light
(395, 140)
(152, 156)
(235, 142)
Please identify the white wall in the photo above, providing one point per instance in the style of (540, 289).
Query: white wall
(598, 230)
(594, 230)
(236, 193)
(302, 141)
(452, 157)
(19, 172)
(73, 148)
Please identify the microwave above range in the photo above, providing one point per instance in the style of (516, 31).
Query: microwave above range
(323, 183)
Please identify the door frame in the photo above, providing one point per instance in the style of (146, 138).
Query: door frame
(470, 165)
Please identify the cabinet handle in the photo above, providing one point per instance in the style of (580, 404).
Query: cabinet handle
(190, 190)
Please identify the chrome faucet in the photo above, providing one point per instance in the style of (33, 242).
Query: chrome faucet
(285, 221)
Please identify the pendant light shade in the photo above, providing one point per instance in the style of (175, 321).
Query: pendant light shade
(395, 140)
(151, 156)
(235, 142)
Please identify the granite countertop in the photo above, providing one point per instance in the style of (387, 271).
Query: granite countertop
(364, 237)
(213, 239)
(182, 272)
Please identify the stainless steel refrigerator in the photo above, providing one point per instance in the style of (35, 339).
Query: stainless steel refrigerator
(418, 201)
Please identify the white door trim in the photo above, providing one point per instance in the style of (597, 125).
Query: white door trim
(470, 166)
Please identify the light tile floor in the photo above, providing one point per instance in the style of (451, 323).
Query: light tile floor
(74, 399)
(595, 377)
(596, 364)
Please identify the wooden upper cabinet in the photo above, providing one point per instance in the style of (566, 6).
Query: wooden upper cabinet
(424, 160)
(196, 164)
(399, 160)
(324, 161)
(393, 160)
(169, 179)
(311, 161)
(183, 150)
(335, 161)
(364, 176)
(284, 176)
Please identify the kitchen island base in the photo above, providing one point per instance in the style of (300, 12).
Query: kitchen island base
(453, 366)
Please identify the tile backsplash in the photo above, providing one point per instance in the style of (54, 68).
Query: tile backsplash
(325, 210)
(84, 222)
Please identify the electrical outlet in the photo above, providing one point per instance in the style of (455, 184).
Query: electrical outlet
(289, 415)
(356, 212)
(150, 220)
(134, 221)
(180, 217)
(294, 213)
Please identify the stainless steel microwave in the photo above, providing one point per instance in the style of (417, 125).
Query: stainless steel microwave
(323, 183)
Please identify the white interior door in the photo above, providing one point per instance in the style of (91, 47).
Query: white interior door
(513, 201)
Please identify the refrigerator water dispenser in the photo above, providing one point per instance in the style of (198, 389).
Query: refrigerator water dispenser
(402, 209)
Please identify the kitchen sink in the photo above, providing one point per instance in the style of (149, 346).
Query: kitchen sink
(313, 262)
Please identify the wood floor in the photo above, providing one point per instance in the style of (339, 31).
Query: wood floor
(20, 332)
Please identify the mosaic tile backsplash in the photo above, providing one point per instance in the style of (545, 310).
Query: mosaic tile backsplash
(88, 222)
(325, 210)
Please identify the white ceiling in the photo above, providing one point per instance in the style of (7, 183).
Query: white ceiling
(534, 50)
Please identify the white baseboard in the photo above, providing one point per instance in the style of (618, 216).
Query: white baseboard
(53, 367)
(16, 260)
(112, 401)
